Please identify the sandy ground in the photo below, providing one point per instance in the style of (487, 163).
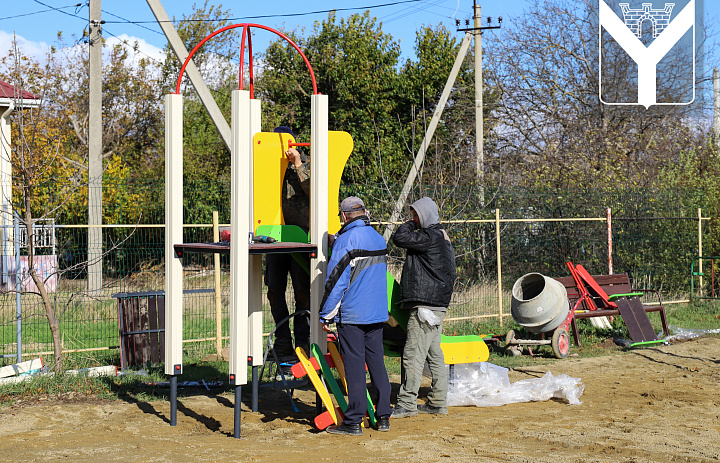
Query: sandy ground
(658, 404)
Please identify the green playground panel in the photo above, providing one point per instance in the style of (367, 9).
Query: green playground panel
(284, 233)
(462, 338)
(618, 296)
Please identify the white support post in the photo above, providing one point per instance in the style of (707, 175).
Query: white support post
(255, 314)
(318, 211)
(173, 233)
(240, 226)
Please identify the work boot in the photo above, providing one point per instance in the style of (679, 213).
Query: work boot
(283, 349)
(429, 409)
(383, 424)
(347, 429)
(399, 412)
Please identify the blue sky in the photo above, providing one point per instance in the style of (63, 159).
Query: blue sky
(36, 22)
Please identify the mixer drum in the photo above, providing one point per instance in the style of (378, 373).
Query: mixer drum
(539, 303)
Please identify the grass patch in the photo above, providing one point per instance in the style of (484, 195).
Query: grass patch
(137, 386)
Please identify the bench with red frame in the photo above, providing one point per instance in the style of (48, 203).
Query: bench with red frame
(595, 306)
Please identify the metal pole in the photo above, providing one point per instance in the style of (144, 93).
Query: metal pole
(95, 153)
(255, 388)
(173, 401)
(700, 250)
(609, 241)
(238, 407)
(218, 288)
(499, 268)
(18, 287)
(716, 93)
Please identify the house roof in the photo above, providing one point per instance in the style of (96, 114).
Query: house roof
(9, 92)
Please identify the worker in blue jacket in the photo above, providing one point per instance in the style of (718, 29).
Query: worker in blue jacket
(356, 299)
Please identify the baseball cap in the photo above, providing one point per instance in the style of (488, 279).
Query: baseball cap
(352, 204)
(284, 129)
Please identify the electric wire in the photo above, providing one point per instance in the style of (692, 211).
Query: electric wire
(61, 11)
(285, 15)
(41, 11)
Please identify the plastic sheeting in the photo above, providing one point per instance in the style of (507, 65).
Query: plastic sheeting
(486, 385)
(685, 334)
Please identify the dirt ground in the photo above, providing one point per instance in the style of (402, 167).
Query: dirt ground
(659, 404)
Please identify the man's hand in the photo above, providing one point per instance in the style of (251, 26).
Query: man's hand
(326, 328)
(293, 156)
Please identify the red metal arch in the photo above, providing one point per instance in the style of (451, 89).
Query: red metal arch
(246, 28)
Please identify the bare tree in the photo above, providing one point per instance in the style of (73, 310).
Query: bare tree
(554, 129)
(34, 160)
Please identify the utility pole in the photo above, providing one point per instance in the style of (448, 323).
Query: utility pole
(479, 147)
(420, 157)
(716, 115)
(95, 248)
(479, 128)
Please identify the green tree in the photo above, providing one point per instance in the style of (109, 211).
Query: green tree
(355, 64)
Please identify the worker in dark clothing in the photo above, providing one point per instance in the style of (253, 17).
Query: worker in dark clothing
(296, 211)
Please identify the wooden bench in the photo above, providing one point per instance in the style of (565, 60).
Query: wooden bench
(611, 284)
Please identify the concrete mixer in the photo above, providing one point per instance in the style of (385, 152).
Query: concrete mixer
(540, 305)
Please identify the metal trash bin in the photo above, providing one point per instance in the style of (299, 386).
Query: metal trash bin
(141, 324)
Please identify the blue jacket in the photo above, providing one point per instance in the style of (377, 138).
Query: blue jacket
(356, 283)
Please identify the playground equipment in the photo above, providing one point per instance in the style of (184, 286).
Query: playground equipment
(253, 203)
(541, 306)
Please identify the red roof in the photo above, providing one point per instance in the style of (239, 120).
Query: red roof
(8, 91)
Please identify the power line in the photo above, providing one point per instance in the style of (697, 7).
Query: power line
(61, 11)
(286, 15)
(41, 11)
(127, 21)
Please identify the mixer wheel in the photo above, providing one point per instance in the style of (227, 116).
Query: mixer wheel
(510, 349)
(561, 343)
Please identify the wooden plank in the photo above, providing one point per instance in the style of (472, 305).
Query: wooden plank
(134, 316)
(22, 367)
(161, 324)
(121, 327)
(153, 324)
(642, 318)
(143, 338)
(636, 320)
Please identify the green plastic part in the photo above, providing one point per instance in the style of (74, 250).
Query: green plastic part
(647, 343)
(465, 338)
(290, 234)
(329, 377)
(618, 296)
(393, 292)
(284, 233)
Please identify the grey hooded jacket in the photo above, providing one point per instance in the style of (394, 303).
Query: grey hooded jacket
(428, 274)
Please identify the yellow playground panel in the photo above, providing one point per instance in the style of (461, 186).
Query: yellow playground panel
(269, 164)
(464, 349)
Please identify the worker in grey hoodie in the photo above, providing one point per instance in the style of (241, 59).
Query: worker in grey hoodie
(427, 282)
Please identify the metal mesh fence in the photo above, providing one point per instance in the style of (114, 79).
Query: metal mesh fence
(655, 236)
